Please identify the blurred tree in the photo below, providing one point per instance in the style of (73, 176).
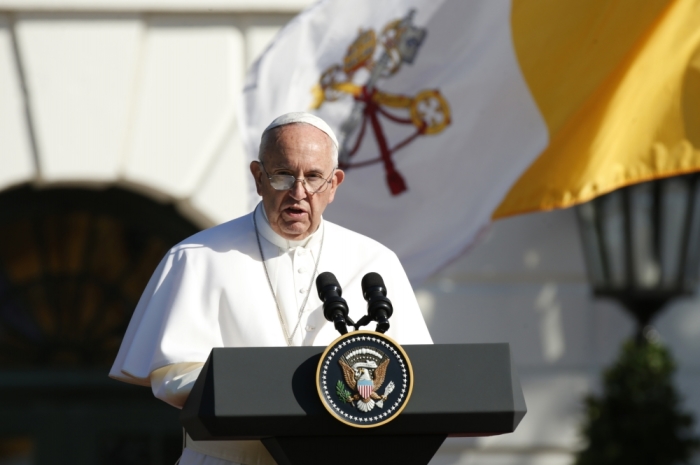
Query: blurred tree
(638, 418)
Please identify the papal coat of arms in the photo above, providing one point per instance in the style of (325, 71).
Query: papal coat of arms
(371, 58)
(364, 379)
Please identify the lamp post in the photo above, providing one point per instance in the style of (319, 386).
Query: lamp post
(642, 244)
(642, 248)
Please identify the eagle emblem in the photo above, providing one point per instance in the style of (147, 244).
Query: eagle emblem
(364, 370)
(364, 379)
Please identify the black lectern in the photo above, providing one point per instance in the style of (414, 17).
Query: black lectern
(270, 394)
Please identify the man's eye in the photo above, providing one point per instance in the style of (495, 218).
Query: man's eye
(315, 176)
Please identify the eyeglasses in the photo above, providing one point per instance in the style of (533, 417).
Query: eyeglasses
(314, 184)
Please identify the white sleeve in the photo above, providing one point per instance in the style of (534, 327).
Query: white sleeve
(173, 383)
(175, 321)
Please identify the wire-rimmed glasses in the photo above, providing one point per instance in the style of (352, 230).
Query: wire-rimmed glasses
(314, 184)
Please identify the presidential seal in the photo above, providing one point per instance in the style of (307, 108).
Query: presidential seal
(364, 379)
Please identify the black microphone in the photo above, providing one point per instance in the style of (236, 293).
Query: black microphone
(335, 308)
(379, 308)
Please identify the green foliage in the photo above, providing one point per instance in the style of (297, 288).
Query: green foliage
(638, 419)
(343, 394)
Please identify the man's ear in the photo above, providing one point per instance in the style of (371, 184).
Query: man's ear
(338, 178)
(257, 173)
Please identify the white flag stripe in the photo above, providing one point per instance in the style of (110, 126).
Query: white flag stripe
(455, 178)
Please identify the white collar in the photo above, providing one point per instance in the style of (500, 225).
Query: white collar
(271, 236)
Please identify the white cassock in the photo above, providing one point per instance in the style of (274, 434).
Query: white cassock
(211, 291)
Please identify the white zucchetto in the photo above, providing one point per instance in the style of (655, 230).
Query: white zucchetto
(303, 117)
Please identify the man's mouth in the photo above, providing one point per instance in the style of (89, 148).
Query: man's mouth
(295, 212)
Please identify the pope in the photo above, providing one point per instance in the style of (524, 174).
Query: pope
(249, 282)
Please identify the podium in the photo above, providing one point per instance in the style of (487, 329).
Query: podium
(270, 394)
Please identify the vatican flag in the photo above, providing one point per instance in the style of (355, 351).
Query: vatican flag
(451, 113)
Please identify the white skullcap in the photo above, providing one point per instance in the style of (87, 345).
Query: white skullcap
(303, 117)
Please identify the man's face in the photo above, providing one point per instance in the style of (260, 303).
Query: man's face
(299, 150)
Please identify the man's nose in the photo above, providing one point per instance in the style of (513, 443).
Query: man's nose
(298, 192)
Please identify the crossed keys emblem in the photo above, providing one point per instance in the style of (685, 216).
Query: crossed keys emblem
(370, 59)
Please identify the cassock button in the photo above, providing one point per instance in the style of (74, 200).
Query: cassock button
(301, 270)
(310, 328)
(302, 291)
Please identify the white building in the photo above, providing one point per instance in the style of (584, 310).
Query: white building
(107, 101)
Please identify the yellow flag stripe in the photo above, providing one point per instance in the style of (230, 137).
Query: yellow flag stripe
(617, 84)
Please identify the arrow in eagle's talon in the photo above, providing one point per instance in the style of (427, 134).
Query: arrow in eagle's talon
(388, 390)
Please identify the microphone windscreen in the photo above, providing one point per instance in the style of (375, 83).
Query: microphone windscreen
(326, 279)
(372, 280)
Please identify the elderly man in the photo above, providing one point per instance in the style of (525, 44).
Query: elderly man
(250, 282)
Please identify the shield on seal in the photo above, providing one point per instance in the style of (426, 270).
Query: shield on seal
(365, 387)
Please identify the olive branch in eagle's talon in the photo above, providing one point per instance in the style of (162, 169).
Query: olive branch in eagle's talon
(343, 393)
